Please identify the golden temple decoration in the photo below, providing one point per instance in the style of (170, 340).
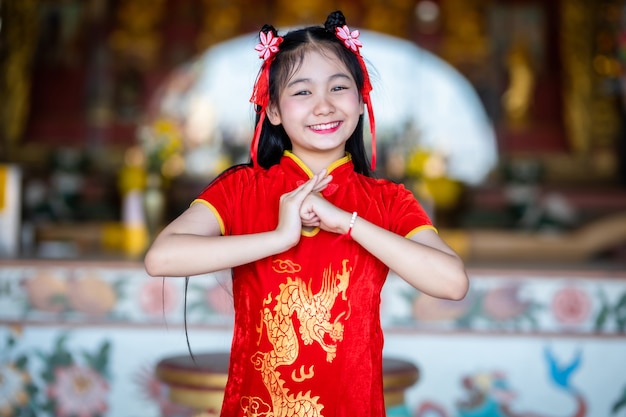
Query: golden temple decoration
(576, 54)
(606, 119)
(466, 40)
(393, 18)
(221, 20)
(517, 98)
(302, 12)
(226, 19)
(590, 115)
(136, 37)
(18, 33)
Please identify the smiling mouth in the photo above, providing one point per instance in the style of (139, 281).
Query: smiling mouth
(325, 126)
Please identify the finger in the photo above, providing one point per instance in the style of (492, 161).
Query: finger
(322, 183)
(306, 215)
(313, 185)
(303, 190)
(309, 218)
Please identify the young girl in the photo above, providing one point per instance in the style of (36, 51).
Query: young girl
(310, 237)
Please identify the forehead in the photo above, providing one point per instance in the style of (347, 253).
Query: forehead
(317, 61)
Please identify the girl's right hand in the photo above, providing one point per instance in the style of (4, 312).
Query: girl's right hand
(289, 219)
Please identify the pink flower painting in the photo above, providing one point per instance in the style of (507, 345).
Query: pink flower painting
(157, 297)
(571, 305)
(79, 391)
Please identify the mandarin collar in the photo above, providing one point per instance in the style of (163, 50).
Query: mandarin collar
(339, 169)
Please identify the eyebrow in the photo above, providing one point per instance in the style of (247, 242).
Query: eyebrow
(308, 80)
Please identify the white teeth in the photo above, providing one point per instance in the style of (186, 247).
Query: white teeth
(325, 126)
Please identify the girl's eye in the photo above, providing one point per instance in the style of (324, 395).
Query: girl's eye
(302, 93)
(339, 88)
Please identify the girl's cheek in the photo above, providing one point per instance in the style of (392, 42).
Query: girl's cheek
(291, 107)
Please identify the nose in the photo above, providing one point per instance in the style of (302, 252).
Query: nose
(323, 105)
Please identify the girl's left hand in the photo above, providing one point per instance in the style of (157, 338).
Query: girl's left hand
(308, 217)
(316, 211)
(289, 224)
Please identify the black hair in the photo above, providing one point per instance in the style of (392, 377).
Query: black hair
(273, 140)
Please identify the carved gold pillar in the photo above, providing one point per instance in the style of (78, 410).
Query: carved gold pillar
(590, 113)
(576, 55)
(18, 36)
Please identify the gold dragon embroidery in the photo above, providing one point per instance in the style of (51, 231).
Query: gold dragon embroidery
(315, 326)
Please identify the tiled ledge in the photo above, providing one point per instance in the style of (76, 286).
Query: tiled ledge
(535, 301)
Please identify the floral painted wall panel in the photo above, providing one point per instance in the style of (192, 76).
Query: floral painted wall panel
(545, 343)
(469, 375)
(89, 372)
(521, 343)
(527, 302)
(81, 339)
(92, 294)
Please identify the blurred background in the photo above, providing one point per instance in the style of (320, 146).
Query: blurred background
(506, 118)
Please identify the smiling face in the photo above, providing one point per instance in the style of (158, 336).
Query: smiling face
(319, 108)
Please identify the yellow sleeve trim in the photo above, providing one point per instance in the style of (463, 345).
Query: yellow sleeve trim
(419, 229)
(215, 212)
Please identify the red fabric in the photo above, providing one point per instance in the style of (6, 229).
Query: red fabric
(307, 338)
(260, 98)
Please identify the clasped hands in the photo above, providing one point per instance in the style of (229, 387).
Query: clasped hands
(305, 207)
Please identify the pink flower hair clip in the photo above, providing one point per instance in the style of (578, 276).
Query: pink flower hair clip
(268, 45)
(350, 39)
(267, 49)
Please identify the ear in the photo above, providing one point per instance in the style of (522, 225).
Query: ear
(273, 115)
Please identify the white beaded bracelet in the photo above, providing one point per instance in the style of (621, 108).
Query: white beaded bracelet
(352, 220)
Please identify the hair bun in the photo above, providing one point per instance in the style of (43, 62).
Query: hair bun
(269, 28)
(334, 20)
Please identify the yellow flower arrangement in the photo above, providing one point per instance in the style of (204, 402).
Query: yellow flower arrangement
(430, 169)
(162, 144)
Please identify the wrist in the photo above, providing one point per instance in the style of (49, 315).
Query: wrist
(281, 241)
(353, 219)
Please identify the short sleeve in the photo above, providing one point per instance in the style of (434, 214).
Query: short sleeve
(223, 196)
(407, 214)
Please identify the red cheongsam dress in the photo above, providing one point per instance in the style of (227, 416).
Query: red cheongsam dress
(307, 337)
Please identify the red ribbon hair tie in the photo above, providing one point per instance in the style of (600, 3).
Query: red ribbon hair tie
(351, 41)
(267, 49)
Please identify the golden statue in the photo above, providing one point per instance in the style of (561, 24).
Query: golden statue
(517, 98)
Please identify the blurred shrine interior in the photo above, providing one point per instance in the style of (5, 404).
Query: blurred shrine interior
(505, 117)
